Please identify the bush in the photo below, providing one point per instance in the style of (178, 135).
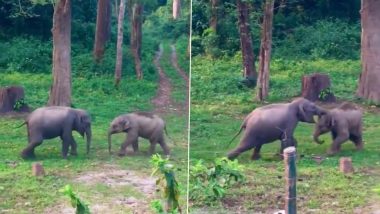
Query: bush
(325, 39)
(209, 184)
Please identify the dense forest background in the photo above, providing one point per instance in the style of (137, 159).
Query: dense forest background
(302, 29)
(26, 38)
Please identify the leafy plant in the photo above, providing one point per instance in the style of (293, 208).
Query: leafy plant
(210, 184)
(76, 202)
(19, 104)
(170, 187)
(324, 93)
(157, 207)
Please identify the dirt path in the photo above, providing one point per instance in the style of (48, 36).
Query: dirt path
(162, 101)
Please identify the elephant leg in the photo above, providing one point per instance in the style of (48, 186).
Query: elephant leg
(357, 140)
(164, 146)
(241, 148)
(135, 146)
(335, 147)
(152, 148)
(73, 148)
(256, 153)
(28, 152)
(67, 141)
(132, 139)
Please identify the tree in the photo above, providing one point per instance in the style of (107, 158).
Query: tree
(136, 37)
(176, 8)
(370, 51)
(103, 28)
(119, 45)
(249, 70)
(265, 51)
(214, 15)
(60, 93)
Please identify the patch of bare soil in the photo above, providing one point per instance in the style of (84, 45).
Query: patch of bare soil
(162, 101)
(114, 178)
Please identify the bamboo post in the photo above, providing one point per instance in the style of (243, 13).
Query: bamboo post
(290, 179)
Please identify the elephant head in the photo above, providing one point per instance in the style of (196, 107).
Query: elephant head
(324, 125)
(118, 125)
(83, 126)
(306, 110)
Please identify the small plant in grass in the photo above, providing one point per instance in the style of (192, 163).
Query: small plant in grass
(377, 189)
(170, 187)
(76, 202)
(324, 93)
(210, 184)
(19, 104)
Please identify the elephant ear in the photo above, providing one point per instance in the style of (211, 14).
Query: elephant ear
(126, 124)
(301, 112)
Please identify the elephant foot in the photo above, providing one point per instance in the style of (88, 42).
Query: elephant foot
(331, 152)
(74, 153)
(28, 155)
(255, 156)
(359, 146)
(121, 154)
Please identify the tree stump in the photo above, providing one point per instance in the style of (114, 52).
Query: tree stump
(345, 165)
(12, 99)
(37, 169)
(317, 87)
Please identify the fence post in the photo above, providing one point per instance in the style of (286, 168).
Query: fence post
(290, 179)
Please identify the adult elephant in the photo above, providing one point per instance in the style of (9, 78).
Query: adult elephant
(274, 122)
(53, 121)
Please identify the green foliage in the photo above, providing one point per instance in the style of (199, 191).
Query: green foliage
(210, 184)
(325, 93)
(377, 189)
(80, 206)
(170, 188)
(19, 104)
(157, 207)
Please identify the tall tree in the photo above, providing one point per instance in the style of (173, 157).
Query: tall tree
(136, 37)
(370, 51)
(119, 45)
(176, 9)
(214, 15)
(103, 28)
(265, 51)
(249, 70)
(60, 93)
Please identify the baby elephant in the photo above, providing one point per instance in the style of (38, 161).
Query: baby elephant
(139, 124)
(50, 122)
(344, 122)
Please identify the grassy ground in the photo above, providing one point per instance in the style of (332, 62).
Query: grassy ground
(23, 193)
(218, 107)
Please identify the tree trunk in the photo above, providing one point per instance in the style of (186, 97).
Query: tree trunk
(265, 52)
(176, 9)
(370, 51)
(136, 37)
(103, 24)
(317, 87)
(60, 93)
(249, 70)
(214, 15)
(119, 45)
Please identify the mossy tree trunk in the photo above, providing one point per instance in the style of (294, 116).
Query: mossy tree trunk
(370, 51)
(119, 45)
(103, 28)
(136, 37)
(60, 93)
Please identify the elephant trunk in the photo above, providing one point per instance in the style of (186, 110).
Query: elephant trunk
(88, 138)
(316, 139)
(109, 141)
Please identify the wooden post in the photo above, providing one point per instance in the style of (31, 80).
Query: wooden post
(290, 179)
(345, 165)
(38, 169)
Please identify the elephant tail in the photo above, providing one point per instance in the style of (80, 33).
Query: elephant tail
(25, 122)
(241, 128)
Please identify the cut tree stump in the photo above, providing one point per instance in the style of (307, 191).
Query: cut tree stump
(317, 87)
(9, 97)
(38, 169)
(345, 165)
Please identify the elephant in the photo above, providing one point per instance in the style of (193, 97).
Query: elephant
(53, 121)
(344, 123)
(139, 124)
(273, 122)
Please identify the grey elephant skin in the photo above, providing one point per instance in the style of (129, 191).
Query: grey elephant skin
(344, 123)
(139, 124)
(274, 122)
(57, 121)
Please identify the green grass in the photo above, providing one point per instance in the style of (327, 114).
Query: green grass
(23, 193)
(218, 108)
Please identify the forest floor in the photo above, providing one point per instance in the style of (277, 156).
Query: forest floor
(109, 184)
(218, 109)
